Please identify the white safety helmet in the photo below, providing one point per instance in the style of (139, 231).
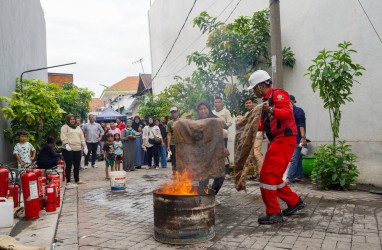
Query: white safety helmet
(257, 77)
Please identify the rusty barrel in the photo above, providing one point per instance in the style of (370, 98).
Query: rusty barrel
(184, 219)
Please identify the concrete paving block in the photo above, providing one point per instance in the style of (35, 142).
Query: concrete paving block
(368, 246)
(247, 243)
(289, 239)
(280, 245)
(343, 245)
(277, 238)
(373, 239)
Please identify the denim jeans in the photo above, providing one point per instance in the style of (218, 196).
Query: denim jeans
(163, 156)
(295, 168)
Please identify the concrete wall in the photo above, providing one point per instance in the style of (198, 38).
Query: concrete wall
(22, 47)
(308, 26)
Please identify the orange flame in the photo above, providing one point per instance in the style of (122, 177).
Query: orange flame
(181, 184)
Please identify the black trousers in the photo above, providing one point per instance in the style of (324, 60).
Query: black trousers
(92, 148)
(48, 164)
(153, 152)
(173, 158)
(216, 185)
(72, 158)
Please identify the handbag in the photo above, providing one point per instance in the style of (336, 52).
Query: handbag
(155, 140)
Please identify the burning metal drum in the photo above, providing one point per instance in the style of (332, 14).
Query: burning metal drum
(184, 219)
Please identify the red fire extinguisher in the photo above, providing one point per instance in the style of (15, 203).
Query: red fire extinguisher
(29, 184)
(38, 172)
(61, 164)
(13, 192)
(4, 178)
(50, 197)
(55, 179)
(41, 191)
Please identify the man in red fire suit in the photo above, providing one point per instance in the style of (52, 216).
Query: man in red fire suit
(278, 122)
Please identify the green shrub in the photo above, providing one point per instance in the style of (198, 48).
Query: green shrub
(335, 167)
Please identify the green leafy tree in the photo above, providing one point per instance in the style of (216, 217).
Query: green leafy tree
(332, 74)
(74, 100)
(235, 50)
(185, 95)
(36, 110)
(153, 106)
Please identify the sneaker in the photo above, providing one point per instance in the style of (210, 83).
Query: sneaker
(217, 202)
(270, 219)
(227, 177)
(287, 181)
(69, 185)
(147, 167)
(156, 167)
(86, 167)
(80, 182)
(291, 210)
(299, 179)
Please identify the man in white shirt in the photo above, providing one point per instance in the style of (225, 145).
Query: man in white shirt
(93, 134)
(223, 113)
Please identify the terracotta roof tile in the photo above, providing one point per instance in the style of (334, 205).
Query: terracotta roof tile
(129, 83)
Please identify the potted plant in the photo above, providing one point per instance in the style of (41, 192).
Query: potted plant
(332, 74)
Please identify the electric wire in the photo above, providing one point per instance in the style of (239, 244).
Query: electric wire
(160, 45)
(192, 43)
(372, 25)
(232, 11)
(176, 39)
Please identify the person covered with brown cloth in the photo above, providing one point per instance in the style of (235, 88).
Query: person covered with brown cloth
(203, 112)
(278, 122)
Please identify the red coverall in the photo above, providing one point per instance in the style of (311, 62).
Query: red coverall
(281, 131)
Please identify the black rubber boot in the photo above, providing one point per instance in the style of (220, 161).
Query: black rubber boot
(270, 219)
(291, 210)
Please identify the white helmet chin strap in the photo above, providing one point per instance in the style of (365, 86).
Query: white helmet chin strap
(259, 88)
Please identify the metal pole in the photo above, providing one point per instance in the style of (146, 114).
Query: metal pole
(55, 66)
(276, 55)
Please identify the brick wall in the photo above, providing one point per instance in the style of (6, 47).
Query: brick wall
(59, 79)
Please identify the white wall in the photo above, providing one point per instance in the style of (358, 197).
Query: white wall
(22, 47)
(307, 26)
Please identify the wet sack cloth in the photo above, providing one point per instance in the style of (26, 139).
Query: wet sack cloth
(246, 129)
(8, 242)
(200, 147)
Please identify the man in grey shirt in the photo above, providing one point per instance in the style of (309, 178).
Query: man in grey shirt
(93, 134)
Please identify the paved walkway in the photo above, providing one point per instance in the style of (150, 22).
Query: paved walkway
(94, 218)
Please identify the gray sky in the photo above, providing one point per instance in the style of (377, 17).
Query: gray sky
(103, 37)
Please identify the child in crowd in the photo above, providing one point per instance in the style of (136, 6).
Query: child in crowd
(24, 151)
(118, 152)
(108, 151)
